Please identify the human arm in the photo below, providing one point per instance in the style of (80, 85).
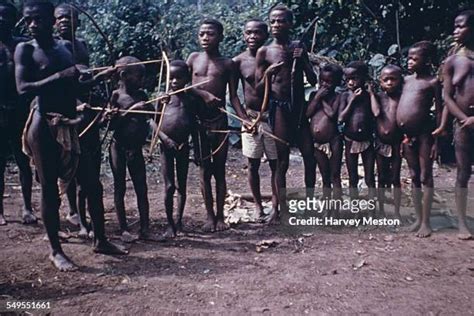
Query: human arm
(24, 73)
(374, 102)
(302, 54)
(347, 109)
(234, 98)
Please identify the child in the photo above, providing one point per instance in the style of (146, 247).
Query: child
(286, 103)
(211, 65)
(416, 122)
(178, 124)
(358, 120)
(255, 144)
(388, 136)
(459, 97)
(323, 110)
(129, 137)
(13, 113)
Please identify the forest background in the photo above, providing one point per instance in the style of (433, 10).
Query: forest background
(378, 32)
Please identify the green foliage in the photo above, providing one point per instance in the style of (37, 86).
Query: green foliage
(346, 30)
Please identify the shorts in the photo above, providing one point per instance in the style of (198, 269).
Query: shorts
(254, 145)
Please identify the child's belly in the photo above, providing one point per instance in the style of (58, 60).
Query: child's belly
(360, 126)
(323, 129)
(388, 131)
(413, 117)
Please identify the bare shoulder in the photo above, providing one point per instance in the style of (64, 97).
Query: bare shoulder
(434, 81)
(24, 49)
(238, 59)
(408, 78)
(192, 57)
(262, 51)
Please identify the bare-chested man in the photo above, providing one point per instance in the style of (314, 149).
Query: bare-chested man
(458, 75)
(417, 123)
(285, 114)
(13, 113)
(212, 149)
(43, 67)
(255, 144)
(67, 22)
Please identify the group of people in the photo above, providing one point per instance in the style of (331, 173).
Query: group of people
(49, 77)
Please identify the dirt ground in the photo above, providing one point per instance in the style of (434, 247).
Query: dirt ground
(326, 271)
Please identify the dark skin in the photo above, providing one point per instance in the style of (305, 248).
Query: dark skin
(66, 24)
(179, 123)
(356, 114)
(14, 114)
(413, 118)
(43, 67)
(384, 107)
(126, 150)
(275, 60)
(205, 65)
(459, 96)
(323, 110)
(255, 35)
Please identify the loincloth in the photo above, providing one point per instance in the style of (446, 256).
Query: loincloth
(358, 147)
(325, 148)
(208, 139)
(254, 145)
(285, 107)
(66, 138)
(383, 149)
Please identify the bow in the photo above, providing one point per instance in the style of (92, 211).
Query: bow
(156, 135)
(112, 57)
(293, 72)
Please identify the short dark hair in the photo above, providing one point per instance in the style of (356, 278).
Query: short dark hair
(394, 68)
(67, 6)
(360, 66)
(181, 64)
(335, 70)
(47, 5)
(218, 25)
(428, 50)
(284, 8)
(10, 7)
(130, 60)
(259, 21)
(469, 14)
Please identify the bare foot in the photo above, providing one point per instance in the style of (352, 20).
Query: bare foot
(83, 233)
(3, 221)
(28, 217)
(150, 237)
(274, 219)
(105, 247)
(464, 233)
(209, 226)
(73, 219)
(424, 231)
(169, 233)
(413, 227)
(127, 237)
(62, 263)
(261, 217)
(220, 225)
